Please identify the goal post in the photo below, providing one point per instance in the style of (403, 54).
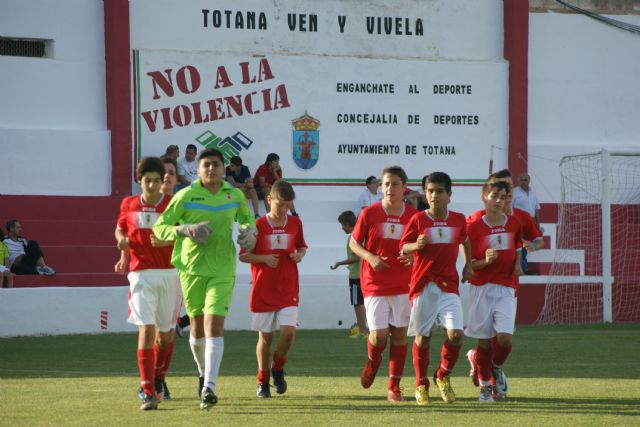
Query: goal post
(599, 217)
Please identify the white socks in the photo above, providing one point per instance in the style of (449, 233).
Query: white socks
(198, 350)
(214, 349)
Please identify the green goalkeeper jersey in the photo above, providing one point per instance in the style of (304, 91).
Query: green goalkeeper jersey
(194, 204)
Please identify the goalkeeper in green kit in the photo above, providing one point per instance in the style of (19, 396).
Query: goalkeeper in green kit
(205, 257)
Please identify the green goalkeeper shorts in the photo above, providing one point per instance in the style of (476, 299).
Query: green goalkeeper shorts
(206, 295)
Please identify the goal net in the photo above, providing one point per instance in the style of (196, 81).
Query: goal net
(595, 275)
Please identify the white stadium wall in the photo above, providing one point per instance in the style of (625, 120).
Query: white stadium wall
(53, 133)
(584, 92)
(432, 94)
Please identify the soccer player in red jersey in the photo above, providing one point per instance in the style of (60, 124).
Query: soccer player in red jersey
(435, 237)
(495, 248)
(385, 275)
(280, 246)
(154, 296)
(531, 241)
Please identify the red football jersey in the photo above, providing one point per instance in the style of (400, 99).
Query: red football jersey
(267, 174)
(507, 239)
(276, 288)
(380, 234)
(135, 220)
(436, 262)
(530, 230)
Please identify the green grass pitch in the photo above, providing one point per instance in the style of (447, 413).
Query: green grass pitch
(558, 375)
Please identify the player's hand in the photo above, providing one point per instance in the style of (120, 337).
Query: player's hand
(157, 243)
(517, 270)
(334, 266)
(528, 245)
(247, 238)
(378, 262)
(467, 272)
(120, 266)
(422, 241)
(271, 260)
(296, 256)
(490, 255)
(123, 244)
(199, 232)
(405, 259)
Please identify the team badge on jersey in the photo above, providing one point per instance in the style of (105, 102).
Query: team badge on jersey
(146, 219)
(305, 144)
(391, 230)
(442, 234)
(500, 241)
(278, 241)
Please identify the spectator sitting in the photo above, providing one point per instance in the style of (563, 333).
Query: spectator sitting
(267, 174)
(25, 257)
(239, 176)
(173, 151)
(6, 276)
(188, 166)
(371, 195)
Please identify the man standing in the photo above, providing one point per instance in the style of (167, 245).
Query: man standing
(205, 257)
(187, 166)
(371, 195)
(526, 199)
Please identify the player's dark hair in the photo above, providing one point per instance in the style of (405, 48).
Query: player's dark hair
(10, 224)
(504, 173)
(166, 160)
(236, 161)
(347, 218)
(192, 147)
(397, 171)
(171, 149)
(283, 190)
(149, 164)
(371, 179)
(488, 187)
(437, 178)
(271, 157)
(211, 152)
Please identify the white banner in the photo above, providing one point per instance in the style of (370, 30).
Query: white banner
(331, 119)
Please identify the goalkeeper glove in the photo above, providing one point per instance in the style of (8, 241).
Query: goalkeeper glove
(199, 232)
(247, 238)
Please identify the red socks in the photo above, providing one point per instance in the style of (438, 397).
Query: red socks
(449, 354)
(263, 377)
(278, 362)
(420, 364)
(163, 357)
(375, 353)
(499, 354)
(397, 356)
(483, 359)
(146, 362)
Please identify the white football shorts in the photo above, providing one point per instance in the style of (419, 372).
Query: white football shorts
(435, 308)
(492, 310)
(155, 298)
(269, 321)
(391, 310)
